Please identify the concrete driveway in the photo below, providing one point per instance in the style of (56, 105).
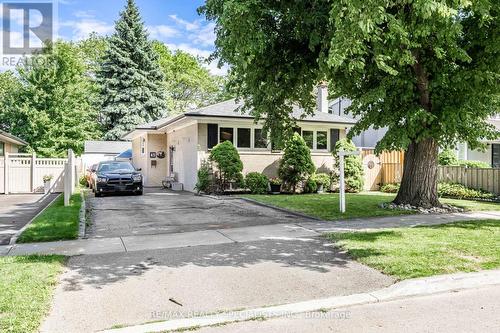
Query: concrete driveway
(16, 210)
(162, 212)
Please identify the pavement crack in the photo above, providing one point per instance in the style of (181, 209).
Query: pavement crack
(224, 235)
(123, 243)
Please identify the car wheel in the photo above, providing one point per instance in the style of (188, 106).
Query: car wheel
(98, 195)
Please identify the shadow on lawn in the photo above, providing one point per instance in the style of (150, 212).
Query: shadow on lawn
(309, 254)
(471, 225)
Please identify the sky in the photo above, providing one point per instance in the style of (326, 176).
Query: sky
(174, 22)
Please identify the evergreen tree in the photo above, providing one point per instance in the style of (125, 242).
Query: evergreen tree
(130, 77)
(296, 165)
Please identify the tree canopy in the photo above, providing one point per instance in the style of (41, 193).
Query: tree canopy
(51, 101)
(427, 70)
(188, 84)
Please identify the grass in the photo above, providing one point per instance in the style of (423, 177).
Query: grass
(326, 206)
(55, 223)
(425, 251)
(27, 284)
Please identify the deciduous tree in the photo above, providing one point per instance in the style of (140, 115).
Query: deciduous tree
(426, 69)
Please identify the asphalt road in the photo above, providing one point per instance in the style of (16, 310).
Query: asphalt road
(470, 311)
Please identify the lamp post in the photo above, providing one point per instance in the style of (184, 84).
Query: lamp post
(341, 155)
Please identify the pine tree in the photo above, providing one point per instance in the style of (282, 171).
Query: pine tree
(130, 77)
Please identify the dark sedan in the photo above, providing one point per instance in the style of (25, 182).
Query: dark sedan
(115, 177)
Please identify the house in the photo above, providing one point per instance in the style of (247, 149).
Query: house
(97, 151)
(491, 155)
(10, 143)
(177, 146)
(366, 139)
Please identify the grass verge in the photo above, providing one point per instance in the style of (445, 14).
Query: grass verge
(425, 251)
(326, 206)
(55, 223)
(27, 284)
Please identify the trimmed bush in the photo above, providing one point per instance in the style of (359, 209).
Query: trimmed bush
(353, 170)
(448, 157)
(474, 164)
(257, 183)
(459, 191)
(390, 188)
(229, 164)
(310, 186)
(296, 164)
(322, 179)
(204, 183)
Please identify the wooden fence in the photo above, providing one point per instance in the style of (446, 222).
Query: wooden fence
(391, 171)
(479, 179)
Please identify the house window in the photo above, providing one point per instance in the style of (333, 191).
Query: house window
(2, 149)
(308, 138)
(243, 137)
(143, 146)
(495, 155)
(212, 135)
(260, 141)
(334, 138)
(226, 134)
(322, 140)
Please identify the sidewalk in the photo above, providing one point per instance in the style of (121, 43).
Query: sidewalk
(234, 235)
(405, 290)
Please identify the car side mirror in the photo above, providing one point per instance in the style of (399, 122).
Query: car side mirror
(138, 169)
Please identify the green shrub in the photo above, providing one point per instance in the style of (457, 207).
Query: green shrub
(83, 181)
(459, 191)
(474, 164)
(229, 164)
(296, 164)
(322, 179)
(257, 183)
(310, 186)
(204, 183)
(448, 157)
(353, 170)
(390, 188)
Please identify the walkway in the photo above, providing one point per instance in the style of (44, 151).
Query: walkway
(299, 230)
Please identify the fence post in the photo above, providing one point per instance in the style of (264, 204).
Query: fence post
(67, 184)
(71, 162)
(6, 184)
(33, 168)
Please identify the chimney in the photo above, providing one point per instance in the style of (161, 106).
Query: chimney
(322, 103)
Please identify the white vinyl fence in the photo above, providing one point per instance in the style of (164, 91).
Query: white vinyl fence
(23, 173)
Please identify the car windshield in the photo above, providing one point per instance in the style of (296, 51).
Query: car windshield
(116, 167)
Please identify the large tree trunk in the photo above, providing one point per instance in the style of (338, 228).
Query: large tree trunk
(419, 182)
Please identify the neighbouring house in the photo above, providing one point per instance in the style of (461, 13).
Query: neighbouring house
(491, 155)
(177, 146)
(98, 151)
(366, 139)
(10, 143)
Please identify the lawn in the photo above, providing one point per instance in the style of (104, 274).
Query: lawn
(425, 251)
(326, 206)
(55, 223)
(27, 284)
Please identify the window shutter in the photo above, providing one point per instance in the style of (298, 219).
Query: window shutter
(212, 135)
(334, 137)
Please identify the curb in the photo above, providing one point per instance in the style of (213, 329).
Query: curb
(284, 210)
(14, 238)
(400, 290)
(82, 216)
